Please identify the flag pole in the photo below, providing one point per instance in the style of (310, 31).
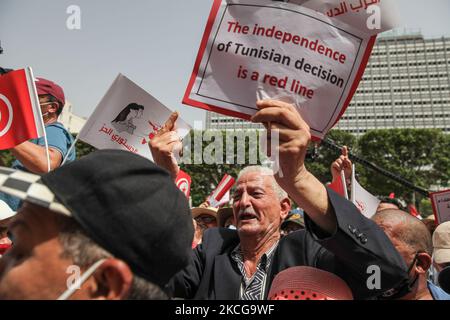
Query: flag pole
(353, 184)
(70, 150)
(344, 184)
(40, 118)
(47, 153)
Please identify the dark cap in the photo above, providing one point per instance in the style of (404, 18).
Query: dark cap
(45, 86)
(294, 218)
(124, 202)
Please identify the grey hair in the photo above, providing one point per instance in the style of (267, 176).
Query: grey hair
(264, 171)
(84, 252)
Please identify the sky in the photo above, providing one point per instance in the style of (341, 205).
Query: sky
(154, 43)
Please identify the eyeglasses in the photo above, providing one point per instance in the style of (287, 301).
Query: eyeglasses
(46, 103)
(205, 219)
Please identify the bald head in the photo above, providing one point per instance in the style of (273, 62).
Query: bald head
(403, 228)
(386, 205)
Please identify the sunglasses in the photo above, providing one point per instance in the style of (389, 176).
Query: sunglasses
(205, 219)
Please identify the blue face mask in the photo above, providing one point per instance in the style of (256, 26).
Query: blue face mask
(71, 290)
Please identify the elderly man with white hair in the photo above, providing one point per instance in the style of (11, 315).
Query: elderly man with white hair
(241, 264)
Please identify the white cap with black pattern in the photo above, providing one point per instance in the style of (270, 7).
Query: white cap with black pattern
(29, 187)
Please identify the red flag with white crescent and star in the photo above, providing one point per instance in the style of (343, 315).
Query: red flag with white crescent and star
(183, 182)
(20, 113)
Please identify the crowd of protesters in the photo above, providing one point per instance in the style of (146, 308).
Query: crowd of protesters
(120, 219)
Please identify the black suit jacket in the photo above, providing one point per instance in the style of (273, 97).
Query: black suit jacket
(357, 244)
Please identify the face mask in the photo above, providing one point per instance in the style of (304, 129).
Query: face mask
(404, 288)
(444, 279)
(71, 290)
(44, 114)
(434, 275)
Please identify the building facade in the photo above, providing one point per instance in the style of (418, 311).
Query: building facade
(406, 85)
(71, 122)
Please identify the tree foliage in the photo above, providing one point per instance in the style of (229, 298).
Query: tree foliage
(421, 156)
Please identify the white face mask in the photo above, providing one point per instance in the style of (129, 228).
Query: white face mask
(43, 104)
(434, 273)
(75, 286)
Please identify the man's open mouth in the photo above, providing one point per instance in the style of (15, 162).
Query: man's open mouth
(247, 216)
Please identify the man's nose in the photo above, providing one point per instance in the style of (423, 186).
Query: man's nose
(245, 200)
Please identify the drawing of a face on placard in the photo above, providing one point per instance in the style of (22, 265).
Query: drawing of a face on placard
(124, 120)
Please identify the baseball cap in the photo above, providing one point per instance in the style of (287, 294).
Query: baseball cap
(441, 243)
(295, 218)
(308, 283)
(45, 86)
(124, 202)
(5, 211)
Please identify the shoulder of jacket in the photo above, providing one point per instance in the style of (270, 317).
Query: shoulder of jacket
(220, 238)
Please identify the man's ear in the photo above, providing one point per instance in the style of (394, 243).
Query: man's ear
(113, 280)
(423, 262)
(285, 207)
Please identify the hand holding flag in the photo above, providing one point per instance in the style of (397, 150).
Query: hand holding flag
(164, 145)
(343, 163)
(339, 185)
(363, 199)
(129, 118)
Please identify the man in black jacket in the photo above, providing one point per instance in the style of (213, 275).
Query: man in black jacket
(241, 264)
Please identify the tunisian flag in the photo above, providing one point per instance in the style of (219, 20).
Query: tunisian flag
(363, 199)
(339, 185)
(183, 182)
(20, 112)
(414, 212)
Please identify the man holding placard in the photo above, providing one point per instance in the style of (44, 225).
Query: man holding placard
(241, 264)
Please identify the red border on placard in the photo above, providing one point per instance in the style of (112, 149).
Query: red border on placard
(433, 204)
(209, 107)
(186, 100)
(358, 77)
